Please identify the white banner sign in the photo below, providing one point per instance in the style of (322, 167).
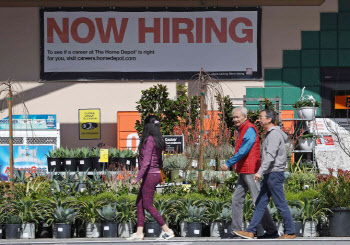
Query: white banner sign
(224, 43)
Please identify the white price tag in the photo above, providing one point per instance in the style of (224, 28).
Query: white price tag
(127, 162)
(69, 162)
(106, 228)
(0, 231)
(194, 163)
(196, 232)
(82, 162)
(225, 230)
(137, 162)
(45, 225)
(181, 173)
(212, 162)
(82, 189)
(60, 229)
(150, 230)
(53, 163)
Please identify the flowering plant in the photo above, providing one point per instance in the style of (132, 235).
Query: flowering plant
(336, 189)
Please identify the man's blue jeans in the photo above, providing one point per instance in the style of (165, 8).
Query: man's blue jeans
(272, 185)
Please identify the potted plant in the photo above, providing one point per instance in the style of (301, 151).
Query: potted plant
(113, 160)
(28, 212)
(176, 163)
(84, 161)
(209, 154)
(109, 215)
(226, 215)
(214, 215)
(3, 215)
(306, 108)
(298, 220)
(335, 190)
(192, 153)
(225, 152)
(88, 213)
(82, 177)
(306, 142)
(69, 159)
(54, 160)
(64, 217)
(127, 218)
(195, 219)
(152, 228)
(13, 226)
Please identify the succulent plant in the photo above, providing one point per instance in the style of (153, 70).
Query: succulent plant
(108, 213)
(65, 214)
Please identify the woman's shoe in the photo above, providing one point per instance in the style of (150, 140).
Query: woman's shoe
(166, 235)
(136, 237)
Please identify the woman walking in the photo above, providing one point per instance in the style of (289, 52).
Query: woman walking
(150, 161)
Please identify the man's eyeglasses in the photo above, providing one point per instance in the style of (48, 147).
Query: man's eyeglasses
(262, 117)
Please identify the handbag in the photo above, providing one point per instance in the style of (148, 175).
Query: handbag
(162, 175)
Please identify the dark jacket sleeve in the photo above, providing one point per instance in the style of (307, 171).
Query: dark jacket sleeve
(148, 148)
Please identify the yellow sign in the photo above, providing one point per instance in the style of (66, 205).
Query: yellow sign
(104, 155)
(89, 124)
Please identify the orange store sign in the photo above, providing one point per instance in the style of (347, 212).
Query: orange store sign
(127, 136)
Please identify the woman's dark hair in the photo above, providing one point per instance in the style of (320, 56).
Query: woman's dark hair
(151, 127)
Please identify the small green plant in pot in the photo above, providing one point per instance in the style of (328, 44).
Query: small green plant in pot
(109, 215)
(127, 217)
(196, 218)
(84, 160)
(210, 155)
(64, 217)
(306, 107)
(88, 213)
(215, 217)
(176, 163)
(13, 226)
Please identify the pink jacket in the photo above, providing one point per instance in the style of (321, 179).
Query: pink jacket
(150, 158)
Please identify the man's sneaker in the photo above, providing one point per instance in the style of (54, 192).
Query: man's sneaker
(287, 236)
(245, 234)
(269, 235)
(166, 235)
(135, 237)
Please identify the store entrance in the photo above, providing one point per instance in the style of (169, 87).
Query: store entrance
(335, 92)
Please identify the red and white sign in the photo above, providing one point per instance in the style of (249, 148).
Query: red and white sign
(224, 43)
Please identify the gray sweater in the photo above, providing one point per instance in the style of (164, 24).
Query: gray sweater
(274, 153)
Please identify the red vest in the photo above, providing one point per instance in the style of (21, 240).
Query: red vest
(249, 164)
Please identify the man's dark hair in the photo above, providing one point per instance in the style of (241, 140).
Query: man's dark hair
(270, 114)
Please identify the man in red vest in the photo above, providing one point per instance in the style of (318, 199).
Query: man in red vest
(246, 162)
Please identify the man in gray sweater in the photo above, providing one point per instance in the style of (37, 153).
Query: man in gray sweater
(273, 164)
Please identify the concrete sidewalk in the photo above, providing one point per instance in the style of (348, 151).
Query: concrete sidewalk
(184, 241)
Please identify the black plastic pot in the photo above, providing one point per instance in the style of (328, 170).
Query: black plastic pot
(130, 163)
(54, 164)
(227, 229)
(13, 231)
(298, 225)
(84, 164)
(44, 230)
(109, 229)
(2, 231)
(97, 165)
(69, 164)
(64, 230)
(339, 223)
(194, 229)
(152, 229)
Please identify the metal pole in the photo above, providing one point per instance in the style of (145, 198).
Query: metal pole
(201, 141)
(12, 188)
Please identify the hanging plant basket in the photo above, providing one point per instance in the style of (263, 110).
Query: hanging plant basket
(308, 113)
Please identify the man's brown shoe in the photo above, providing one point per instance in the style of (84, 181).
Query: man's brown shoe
(244, 234)
(287, 236)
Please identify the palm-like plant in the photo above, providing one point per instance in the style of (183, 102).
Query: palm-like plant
(164, 208)
(248, 209)
(108, 213)
(88, 211)
(126, 211)
(312, 210)
(178, 211)
(215, 209)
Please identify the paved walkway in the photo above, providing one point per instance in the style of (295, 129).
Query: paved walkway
(185, 241)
